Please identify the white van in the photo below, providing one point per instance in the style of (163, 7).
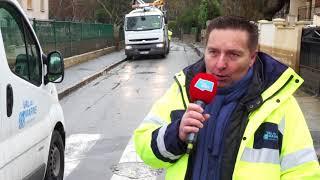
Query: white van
(32, 135)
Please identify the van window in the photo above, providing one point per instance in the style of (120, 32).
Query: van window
(23, 55)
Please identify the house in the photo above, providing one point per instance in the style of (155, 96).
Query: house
(37, 9)
(305, 10)
(293, 40)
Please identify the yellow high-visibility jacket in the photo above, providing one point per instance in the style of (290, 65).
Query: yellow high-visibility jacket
(169, 35)
(295, 159)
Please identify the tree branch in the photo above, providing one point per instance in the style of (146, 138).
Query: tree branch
(105, 8)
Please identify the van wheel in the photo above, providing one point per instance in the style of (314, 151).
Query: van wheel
(129, 57)
(164, 55)
(55, 165)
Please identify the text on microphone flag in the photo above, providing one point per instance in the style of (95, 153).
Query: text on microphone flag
(204, 85)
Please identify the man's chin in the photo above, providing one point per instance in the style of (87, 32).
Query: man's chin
(223, 84)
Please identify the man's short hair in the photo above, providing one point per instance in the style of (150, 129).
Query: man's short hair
(235, 23)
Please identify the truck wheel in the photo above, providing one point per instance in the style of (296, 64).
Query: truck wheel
(55, 164)
(164, 53)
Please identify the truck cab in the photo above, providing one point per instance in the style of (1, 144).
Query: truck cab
(146, 32)
(32, 130)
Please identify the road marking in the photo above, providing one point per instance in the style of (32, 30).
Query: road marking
(129, 155)
(76, 147)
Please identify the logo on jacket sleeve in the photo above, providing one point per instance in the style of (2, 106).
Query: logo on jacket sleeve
(270, 136)
(204, 85)
(267, 136)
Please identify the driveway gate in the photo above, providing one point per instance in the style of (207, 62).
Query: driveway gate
(310, 59)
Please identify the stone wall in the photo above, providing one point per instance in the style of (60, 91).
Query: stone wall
(281, 40)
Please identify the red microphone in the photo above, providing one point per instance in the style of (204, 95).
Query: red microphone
(203, 89)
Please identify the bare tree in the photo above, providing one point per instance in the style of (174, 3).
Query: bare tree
(75, 10)
(103, 5)
(253, 9)
(115, 10)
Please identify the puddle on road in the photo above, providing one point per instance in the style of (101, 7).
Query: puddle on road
(84, 69)
(135, 170)
(146, 72)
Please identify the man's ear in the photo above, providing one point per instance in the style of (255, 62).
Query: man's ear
(253, 57)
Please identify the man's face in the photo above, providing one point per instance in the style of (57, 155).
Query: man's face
(227, 55)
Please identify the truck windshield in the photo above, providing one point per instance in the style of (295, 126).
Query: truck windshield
(141, 23)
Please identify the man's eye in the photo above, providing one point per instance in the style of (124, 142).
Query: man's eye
(213, 52)
(234, 55)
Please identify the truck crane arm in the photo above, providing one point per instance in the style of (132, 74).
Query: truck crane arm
(140, 3)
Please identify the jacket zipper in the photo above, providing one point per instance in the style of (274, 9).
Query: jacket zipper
(180, 88)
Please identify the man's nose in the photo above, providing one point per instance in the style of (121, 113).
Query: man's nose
(221, 62)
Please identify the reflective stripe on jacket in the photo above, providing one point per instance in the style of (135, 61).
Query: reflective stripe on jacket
(276, 143)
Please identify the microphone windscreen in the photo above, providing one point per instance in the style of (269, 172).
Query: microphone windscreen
(203, 87)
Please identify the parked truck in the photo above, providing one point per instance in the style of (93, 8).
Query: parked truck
(146, 30)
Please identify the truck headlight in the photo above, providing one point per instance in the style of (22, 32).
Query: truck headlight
(128, 47)
(159, 45)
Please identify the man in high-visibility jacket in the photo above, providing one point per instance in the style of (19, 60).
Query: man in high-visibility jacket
(169, 35)
(253, 129)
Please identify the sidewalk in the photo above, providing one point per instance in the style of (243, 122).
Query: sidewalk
(310, 106)
(80, 74)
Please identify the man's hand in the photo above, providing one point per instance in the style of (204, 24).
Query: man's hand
(191, 121)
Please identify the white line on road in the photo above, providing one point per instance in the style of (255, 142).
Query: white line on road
(76, 147)
(129, 155)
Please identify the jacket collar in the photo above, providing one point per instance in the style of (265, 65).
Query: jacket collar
(191, 71)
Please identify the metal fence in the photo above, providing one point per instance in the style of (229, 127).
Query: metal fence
(304, 13)
(73, 38)
(310, 59)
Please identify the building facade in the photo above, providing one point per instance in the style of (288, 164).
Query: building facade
(38, 9)
(305, 10)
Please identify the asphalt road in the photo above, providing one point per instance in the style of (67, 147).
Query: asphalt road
(101, 116)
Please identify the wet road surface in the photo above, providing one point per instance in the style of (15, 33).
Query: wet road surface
(102, 116)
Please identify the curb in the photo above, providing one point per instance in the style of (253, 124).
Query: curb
(87, 79)
(81, 58)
